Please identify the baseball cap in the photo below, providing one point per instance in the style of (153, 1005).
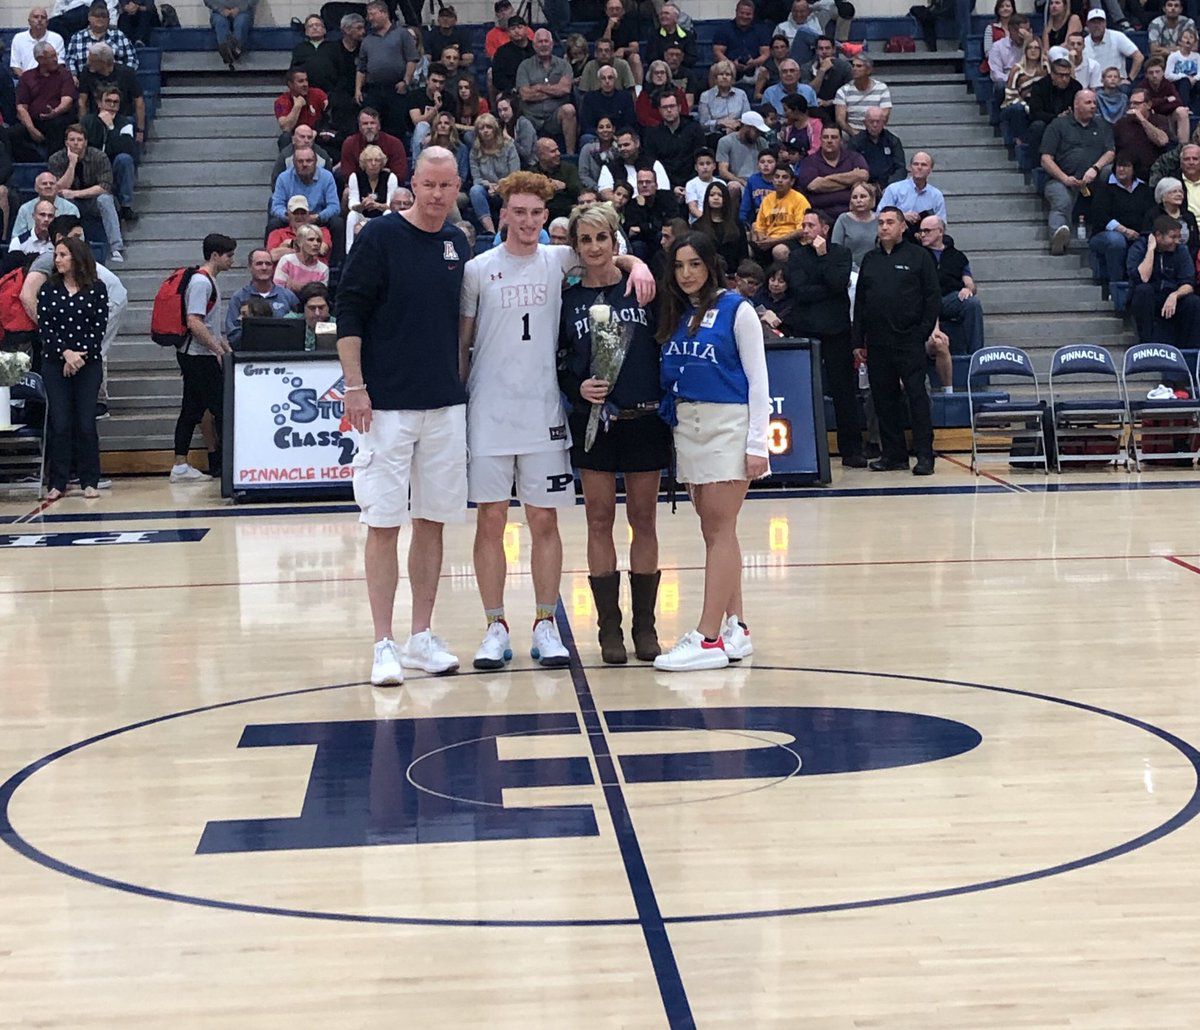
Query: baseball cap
(1058, 53)
(298, 203)
(516, 22)
(1097, 12)
(755, 119)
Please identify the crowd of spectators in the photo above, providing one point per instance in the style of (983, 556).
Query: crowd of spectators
(740, 142)
(1110, 127)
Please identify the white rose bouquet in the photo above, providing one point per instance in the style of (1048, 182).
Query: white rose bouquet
(610, 342)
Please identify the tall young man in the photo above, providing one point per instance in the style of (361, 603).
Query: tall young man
(397, 316)
(200, 358)
(516, 426)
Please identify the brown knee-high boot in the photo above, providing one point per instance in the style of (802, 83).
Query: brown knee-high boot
(644, 587)
(606, 590)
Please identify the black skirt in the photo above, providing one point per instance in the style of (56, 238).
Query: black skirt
(628, 445)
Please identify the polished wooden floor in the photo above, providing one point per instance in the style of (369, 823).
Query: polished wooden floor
(982, 820)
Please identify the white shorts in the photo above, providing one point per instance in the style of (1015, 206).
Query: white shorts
(543, 480)
(413, 464)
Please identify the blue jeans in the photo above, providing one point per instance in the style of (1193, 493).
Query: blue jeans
(239, 25)
(803, 46)
(123, 179)
(1107, 251)
(484, 204)
(1014, 123)
(969, 313)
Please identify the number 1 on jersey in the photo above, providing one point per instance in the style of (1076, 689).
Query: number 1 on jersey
(525, 322)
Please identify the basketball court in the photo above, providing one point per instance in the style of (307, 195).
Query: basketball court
(954, 787)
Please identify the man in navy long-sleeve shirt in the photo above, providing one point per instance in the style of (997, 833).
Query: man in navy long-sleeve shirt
(1163, 300)
(317, 186)
(398, 340)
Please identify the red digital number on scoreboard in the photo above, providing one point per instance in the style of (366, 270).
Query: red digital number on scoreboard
(779, 436)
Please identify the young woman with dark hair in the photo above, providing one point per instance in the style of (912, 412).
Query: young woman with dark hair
(714, 375)
(72, 318)
(718, 220)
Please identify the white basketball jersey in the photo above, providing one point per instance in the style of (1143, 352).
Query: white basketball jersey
(514, 405)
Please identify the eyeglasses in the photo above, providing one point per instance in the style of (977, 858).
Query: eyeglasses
(923, 232)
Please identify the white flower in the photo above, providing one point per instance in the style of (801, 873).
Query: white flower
(600, 314)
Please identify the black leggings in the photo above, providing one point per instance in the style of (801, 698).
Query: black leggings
(72, 401)
(203, 390)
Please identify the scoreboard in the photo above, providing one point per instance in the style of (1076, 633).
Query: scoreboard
(796, 433)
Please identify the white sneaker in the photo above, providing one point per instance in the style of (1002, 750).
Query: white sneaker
(691, 653)
(386, 671)
(548, 650)
(495, 650)
(116, 257)
(186, 474)
(736, 640)
(428, 653)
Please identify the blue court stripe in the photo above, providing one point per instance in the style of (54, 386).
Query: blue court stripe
(314, 508)
(654, 929)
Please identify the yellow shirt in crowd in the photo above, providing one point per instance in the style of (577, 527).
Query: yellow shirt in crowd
(779, 217)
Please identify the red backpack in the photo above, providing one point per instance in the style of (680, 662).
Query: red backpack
(13, 316)
(168, 317)
(900, 45)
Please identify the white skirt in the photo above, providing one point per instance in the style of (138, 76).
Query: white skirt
(710, 442)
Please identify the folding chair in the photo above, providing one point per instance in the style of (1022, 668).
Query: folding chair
(1167, 420)
(1095, 424)
(1002, 426)
(23, 449)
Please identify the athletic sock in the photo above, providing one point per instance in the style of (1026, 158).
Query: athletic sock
(495, 615)
(745, 628)
(711, 640)
(544, 611)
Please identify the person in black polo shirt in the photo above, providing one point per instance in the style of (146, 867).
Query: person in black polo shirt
(397, 317)
(1076, 148)
(503, 73)
(818, 278)
(896, 307)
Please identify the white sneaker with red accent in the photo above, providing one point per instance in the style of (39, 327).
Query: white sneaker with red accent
(693, 653)
(736, 639)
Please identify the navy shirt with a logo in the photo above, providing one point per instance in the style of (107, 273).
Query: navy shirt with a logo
(399, 292)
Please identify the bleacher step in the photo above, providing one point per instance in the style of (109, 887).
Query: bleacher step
(228, 106)
(252, 62)
(169, 199)
(162, 256)
(259, 129)
(239, 224)
(181, 174)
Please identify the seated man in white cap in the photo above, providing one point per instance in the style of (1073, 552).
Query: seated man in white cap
(1111, 48)
(737, 154)
(283, 241)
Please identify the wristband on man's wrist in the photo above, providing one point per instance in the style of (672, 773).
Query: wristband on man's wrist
(360, 386)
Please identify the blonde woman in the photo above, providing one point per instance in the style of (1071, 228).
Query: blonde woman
(295, 271)
(493, 156)
(633, 442)
(1014, 114)
(658, 80)
(367, 191)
